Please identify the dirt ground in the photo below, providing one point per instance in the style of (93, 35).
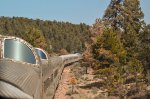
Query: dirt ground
(63, 85)
(64, 90)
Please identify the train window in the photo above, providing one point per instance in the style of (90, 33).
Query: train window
(41, 53)
(17, 50)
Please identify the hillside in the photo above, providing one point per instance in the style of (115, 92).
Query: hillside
(49, 35)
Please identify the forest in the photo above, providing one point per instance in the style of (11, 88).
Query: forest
(52, 36)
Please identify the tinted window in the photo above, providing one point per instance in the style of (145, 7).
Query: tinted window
(18, 51)
(41, 54)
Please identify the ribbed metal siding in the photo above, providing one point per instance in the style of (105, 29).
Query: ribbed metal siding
(24, 76)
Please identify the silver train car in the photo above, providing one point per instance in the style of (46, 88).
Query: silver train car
(27, 72)
(70, 58)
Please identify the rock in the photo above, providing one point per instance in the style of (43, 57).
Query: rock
(141, 95)
(148, 88)
(101, 91)
(113, 97)
(130, 79)
(101, 96)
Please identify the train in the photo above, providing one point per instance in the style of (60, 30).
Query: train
(27, 72)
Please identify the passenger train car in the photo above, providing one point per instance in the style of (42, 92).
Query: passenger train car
(27, 72)
(70, 58)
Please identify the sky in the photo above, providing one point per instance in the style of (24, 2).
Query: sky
(74, 11)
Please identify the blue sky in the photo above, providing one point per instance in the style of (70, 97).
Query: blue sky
(74, 11)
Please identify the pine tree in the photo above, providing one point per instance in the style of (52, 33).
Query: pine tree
(36, 38)
(126, 17)
(133, 15)
(145, 48)
(109, 49)
(132, 26)
(113, 14)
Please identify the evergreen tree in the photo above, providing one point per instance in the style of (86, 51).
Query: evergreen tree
(132, 24)
(109, 49)
(35, 38)
(120, 44)
(133, 15)
(113, 14)
(145, 48)
(126, 17)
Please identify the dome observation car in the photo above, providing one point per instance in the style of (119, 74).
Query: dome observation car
(20, 72)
